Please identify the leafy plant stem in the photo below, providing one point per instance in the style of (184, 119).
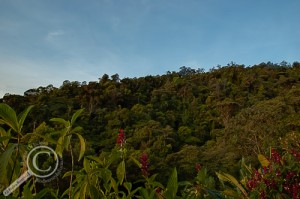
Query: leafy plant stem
(72, 170)
(14, 166)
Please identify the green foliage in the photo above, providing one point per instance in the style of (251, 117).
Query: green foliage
(203, 186)
(179, 119)
(172, 186)
(5, 158)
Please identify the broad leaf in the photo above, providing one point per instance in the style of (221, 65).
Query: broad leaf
(96, 159)
(83, 190)
(114, 185)
(27, 191)
(2, 132)
(75, 116)
(94, 193)
(172, 185)
(22, 116)
(42, 193)
(263, 160)
(60, 146)
(77, 129)
(9, 116)
(128, 186)
(4, 138)
(144, 193)
(106, 175)
(4, 158)
(62, 121)
(121, 172)
(136, 162)
(44, 137)
(86, 165)
(82, 146)
(232, 180)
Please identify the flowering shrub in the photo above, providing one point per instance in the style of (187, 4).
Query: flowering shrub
(278, 177)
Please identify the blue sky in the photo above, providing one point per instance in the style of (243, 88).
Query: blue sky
(45, 42)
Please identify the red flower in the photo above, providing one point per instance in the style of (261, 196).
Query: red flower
(198, 167)
(251, 184)
(158, 190)
(121, 138)
(296, 154)
(144, 160)
(275, 156)
(257, 176)
(262, 195)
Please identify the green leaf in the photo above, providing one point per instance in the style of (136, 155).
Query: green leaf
(94, 193)
(41, 128)
(9, 117)
(60, 146)
(136, 162)
(61, 121)
(128, 186)
(77, 195)
(8, 133)
(67, 142)
(46, 138)
(67, 174)
(248, 168)
(4, 158)
(263, 160)
(77, 129)
(4, 138)
(144, 193)
(41, 194)
(229, 178)
(121, 172)
(152, 194)
(106, 175)
(82, 146)
(2, 132)
(22, 116)
(86, 165)
(96, 159)
(26, 190)
(114, 185)
(133, 192)
(83, 190)
(172, 185)
(152, 178)
(75, 116)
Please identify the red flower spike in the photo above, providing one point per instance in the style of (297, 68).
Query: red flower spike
(144, 160)
(121, 138)
(198, 167)
(158, 190)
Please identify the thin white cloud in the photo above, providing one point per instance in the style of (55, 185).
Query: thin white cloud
(54, 34)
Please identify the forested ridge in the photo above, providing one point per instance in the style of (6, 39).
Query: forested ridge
(179, 119)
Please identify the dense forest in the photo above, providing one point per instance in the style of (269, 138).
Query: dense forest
(183, 126)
